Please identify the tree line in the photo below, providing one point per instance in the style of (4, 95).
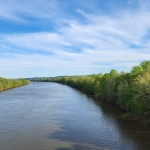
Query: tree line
(130, 91)
(11, 83)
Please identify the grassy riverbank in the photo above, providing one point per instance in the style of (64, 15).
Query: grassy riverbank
(6, 84)
(130, 91)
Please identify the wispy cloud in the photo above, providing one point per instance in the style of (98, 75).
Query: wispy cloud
(97, 44)
(20, 10)
(129, 2)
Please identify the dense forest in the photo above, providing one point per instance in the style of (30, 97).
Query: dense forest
(11, 83)
(130, 91)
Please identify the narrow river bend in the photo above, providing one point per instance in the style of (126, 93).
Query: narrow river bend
(51, 116)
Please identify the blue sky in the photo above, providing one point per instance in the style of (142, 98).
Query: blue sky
(44, 38)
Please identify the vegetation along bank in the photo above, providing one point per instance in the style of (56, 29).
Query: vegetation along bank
(130, 91)
(6, 84)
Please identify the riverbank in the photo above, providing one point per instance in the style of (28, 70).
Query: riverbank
(6, 84)
(129, 91)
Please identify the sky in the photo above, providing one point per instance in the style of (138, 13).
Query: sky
(47, 38)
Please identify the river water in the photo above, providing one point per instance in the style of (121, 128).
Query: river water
(51, 116)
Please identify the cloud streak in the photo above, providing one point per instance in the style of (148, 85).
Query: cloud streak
(97, 44)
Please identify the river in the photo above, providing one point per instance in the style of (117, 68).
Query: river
(51, 116)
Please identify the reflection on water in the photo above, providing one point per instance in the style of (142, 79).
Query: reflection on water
(51, 116)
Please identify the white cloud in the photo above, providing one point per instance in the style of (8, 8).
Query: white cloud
(104, 42)
(18, 10)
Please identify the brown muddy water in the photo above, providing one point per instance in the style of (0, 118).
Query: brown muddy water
(51, 116)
